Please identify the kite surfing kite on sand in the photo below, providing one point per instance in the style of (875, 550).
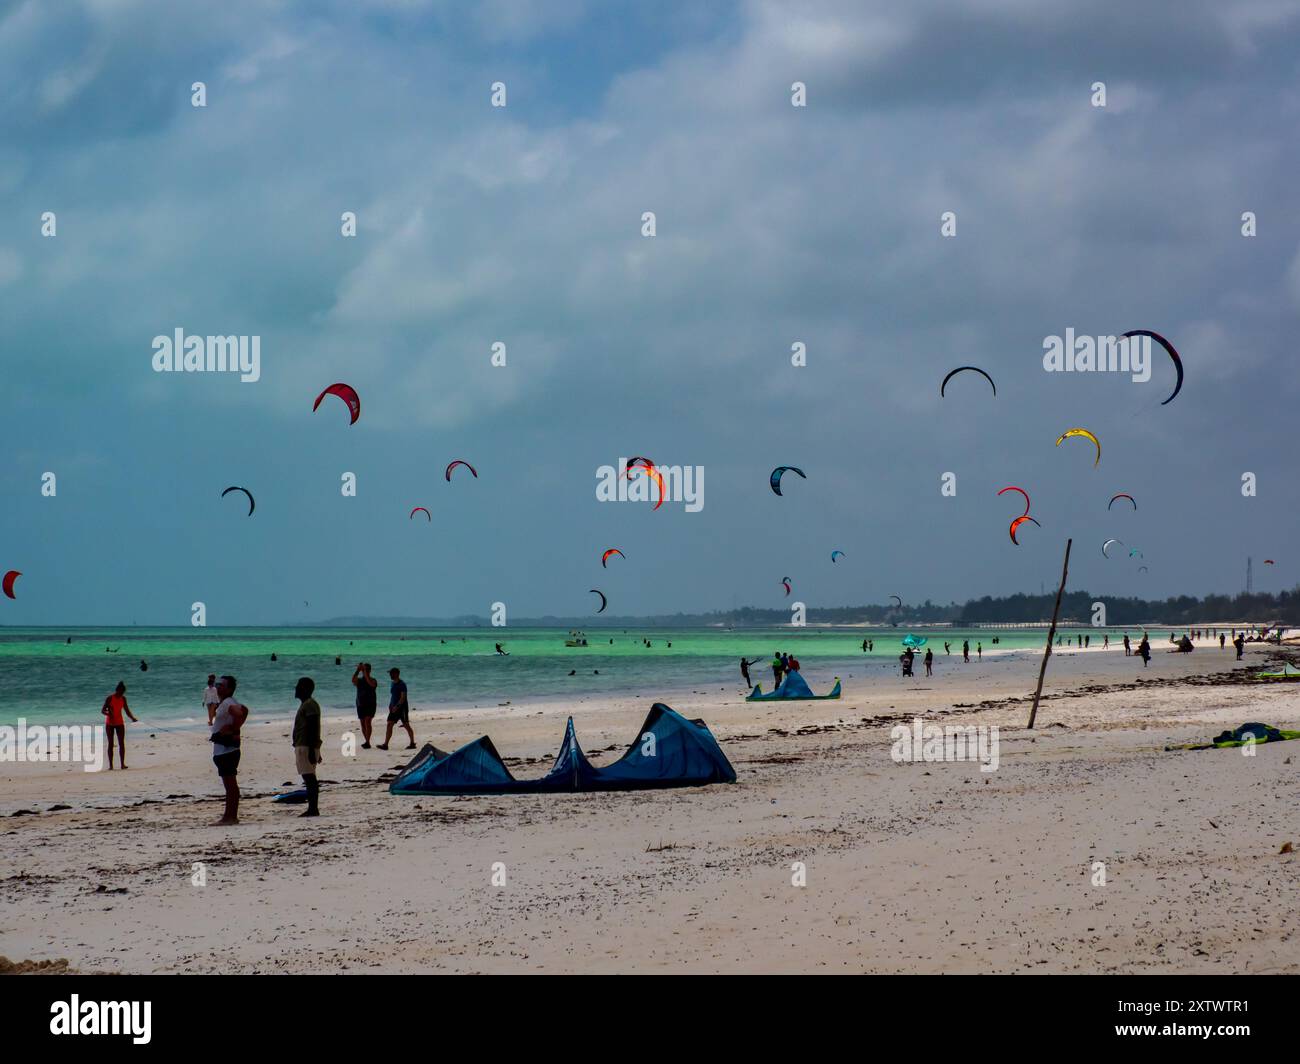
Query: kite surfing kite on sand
(793, 687)
(251, 504)
(345, 392)
(669, 751)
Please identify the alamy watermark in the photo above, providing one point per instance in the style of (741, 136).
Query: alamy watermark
(179, 353)
(952, 742)
(1085, 354)
(655, 484)
(48, 743)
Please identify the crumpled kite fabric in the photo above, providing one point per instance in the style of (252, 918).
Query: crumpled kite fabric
(668, 751)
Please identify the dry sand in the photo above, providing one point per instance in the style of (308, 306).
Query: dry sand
(910, 867)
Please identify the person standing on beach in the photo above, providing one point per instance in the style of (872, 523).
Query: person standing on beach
(307, 741)
(1240, 644)
(929, 662)
(965, 651)
(227, 721)
(744, 674)
(778, 667)
(113, 708)
(399, 709)
(1105, 642)
(210, 697)
(947, 649)
(979, 651)
(1144, 650)
(1220, 640)
(367, 700)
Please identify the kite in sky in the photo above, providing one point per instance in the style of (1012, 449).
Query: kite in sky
(345, 392)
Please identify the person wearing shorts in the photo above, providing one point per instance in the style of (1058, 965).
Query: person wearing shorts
(399, 709)
(114, 727)
(367, 700)
(227, 721)
(306, 741)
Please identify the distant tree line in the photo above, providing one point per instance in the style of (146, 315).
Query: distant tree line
(1076, 608)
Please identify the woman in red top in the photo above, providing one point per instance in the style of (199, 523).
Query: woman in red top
(114, 706)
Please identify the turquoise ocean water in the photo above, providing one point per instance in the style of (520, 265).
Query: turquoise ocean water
(47, 680)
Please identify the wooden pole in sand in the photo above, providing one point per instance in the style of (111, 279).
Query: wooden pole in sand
(1051, 633)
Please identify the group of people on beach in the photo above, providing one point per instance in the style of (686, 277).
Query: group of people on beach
(782, 665)
(226, 718)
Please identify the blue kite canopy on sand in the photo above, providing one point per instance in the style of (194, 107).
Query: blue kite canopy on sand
(913, 641)
(683, 753)
(794, 686)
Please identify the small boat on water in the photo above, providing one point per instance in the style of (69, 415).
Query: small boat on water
(576, 639)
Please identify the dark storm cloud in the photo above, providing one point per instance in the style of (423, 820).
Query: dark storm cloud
(775, 224)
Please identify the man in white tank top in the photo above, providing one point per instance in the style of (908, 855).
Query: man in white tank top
(226, 722)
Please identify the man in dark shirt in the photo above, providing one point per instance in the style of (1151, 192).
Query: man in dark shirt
(398, 709)
(366, 700)
(307, 741)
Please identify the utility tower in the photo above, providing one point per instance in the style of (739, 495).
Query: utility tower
(1250, 578)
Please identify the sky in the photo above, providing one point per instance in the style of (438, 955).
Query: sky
(775, 225)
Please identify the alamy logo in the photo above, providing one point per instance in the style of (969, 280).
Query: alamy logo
(60, 742)
(650, 483)
(179, 353)
(1085, 354)
(952, 742)
(103, 1017)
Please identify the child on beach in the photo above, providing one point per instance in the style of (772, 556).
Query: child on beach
(210, 697)
(113, 708)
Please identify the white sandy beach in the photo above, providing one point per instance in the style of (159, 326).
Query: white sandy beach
(910, 867)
